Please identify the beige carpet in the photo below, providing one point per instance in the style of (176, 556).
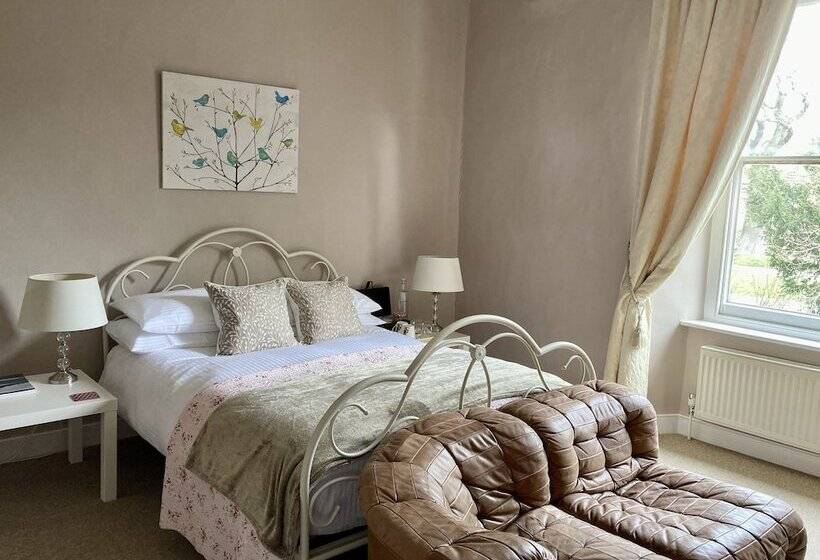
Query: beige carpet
(50, 509)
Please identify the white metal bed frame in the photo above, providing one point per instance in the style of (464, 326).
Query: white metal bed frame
(235, 262)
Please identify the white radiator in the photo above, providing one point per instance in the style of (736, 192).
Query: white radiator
(767, 397)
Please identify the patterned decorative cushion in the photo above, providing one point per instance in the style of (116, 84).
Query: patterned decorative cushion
(326, 310)
(251, 318)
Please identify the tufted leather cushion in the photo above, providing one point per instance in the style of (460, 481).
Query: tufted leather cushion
(475, 484)
(485, 466)
(568, 537)
(598, 436)
(686, 515)
(420, 529)
(436, 487)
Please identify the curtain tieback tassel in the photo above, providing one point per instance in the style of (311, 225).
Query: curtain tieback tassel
(637, 331)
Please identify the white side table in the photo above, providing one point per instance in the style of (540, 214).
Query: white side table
(453, 336)
(50, 403)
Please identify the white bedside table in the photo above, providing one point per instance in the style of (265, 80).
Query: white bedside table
(50, 403)
(453, 336)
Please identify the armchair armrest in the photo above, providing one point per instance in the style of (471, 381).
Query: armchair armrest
(424, 530)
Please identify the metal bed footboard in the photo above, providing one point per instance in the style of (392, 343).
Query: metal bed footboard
(233, 244)
(325, 428)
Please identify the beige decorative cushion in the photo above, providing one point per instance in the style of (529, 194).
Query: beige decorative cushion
(251, 318)
(325, 310)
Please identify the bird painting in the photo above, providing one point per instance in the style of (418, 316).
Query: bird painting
(225, 135)
(256, 123)
(179, 128)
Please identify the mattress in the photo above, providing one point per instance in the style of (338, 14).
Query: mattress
(153, 389)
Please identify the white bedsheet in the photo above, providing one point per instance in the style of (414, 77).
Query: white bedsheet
(153, 389)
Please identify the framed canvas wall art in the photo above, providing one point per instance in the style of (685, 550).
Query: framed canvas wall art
(228, 136)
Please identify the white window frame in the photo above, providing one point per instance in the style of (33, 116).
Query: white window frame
(717, 308)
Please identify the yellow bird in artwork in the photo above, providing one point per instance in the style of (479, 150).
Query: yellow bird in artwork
(179, 128)
(256, 123)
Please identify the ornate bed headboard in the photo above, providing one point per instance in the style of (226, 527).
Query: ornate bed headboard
(231, 243)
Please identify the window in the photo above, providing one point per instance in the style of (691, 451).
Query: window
(765, 253)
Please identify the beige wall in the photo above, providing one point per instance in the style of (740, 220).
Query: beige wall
(381, 108)
(550, 122)
(551, 111)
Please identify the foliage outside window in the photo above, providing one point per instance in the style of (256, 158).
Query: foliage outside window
(770, 271)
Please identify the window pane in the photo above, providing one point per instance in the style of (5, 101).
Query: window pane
(776, 251)
(788, 123)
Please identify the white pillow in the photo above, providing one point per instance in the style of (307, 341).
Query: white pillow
(127, 333)
(363, 303)
(370, 320)
(177, 311)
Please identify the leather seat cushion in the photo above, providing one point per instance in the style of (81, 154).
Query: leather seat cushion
(686, 515)
(570, 538)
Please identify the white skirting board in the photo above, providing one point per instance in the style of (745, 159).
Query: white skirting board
(754, 446)
(39, 441)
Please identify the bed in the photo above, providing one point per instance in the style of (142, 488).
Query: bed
(326, 407)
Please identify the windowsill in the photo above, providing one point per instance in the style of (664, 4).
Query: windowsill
(752, 334)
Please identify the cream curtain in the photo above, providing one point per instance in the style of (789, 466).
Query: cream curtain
(711, 63)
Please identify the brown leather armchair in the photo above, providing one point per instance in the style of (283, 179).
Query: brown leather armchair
(564, 474)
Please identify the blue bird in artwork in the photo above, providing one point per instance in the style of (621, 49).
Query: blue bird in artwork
(199, 163)
(281, 99)
(220, 132)
(203, 100)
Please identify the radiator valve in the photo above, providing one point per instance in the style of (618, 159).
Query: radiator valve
(691, 403)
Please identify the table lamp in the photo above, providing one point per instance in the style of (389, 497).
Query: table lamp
(62, 303)
(437, 275)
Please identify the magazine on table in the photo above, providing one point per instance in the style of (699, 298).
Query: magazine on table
(15, 385)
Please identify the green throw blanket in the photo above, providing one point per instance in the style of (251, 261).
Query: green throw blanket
(251, 447)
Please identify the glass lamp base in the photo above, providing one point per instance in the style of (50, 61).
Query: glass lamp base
(63, 375)
(435, 327)
(63, 378)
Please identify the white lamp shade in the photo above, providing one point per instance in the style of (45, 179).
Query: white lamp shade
(437, 274)
(62, 303)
